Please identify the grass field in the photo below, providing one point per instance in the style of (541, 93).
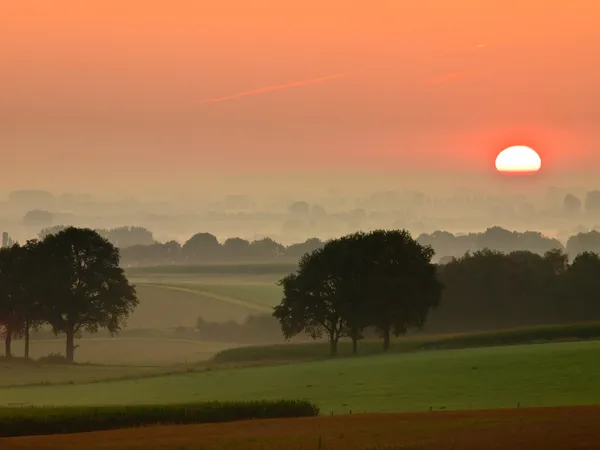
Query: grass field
(20, 374)
(127, 351)
(574, 428)
(413, 342)
(501, 377)
(176, 296)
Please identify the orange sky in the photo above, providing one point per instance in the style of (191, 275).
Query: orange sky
(433, 85)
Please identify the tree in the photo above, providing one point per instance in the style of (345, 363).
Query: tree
(85, 287)
(10, 318)
(201, 246)
(236, 248)
(383, 279)
(128, 236)
(311, 302)
(400, 280)
(266, 248)
(300, 249)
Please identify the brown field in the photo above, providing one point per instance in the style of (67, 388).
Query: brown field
(570, 428)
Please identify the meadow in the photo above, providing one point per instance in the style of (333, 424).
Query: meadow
(500, 377)
(178, 295)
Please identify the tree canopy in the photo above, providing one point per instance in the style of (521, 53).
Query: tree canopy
(70, 280)
(382, 279)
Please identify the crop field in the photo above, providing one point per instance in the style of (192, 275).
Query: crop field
(43, 421)
(500, 377)
(574, 428)
(176, 296)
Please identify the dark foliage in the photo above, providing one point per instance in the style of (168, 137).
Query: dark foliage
(46, 421)
(70, 280)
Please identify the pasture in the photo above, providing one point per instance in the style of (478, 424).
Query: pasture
(176, 296)
(574, 428)
(138, 351)
(481, 378)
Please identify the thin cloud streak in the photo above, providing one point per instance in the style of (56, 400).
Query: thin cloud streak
(276, 88)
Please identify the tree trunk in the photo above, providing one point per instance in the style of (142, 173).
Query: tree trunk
(333, 346)
(8, 343)
(354, 344)
(386, 338)
(26, 340)
(70, 346)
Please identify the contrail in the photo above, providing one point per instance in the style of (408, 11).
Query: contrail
(276, 87)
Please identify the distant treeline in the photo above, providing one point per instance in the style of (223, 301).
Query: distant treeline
(139, 248)
(483, 291)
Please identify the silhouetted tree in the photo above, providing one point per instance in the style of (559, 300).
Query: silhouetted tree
(300, 249)
(201, 246)
(85, 287)
(399, 279)
(11, 321)
(236, 248)
(127, 236)
(383, 278)
(583, 242)
(311, 302)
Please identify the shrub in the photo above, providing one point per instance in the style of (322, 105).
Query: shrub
(54, 358)
(44, 420)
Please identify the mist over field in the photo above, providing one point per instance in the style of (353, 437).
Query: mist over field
(385, 214)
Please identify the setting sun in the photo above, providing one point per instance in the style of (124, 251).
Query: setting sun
(518, 159)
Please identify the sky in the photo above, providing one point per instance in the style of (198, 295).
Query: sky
(142, 95)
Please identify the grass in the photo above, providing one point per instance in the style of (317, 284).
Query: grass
(163, 307)
(411, 343)
(40, 421)
(126, 351)
(500, 377)
(275, 269)
(532, 429)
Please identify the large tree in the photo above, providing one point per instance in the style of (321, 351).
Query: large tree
(11, 320)
(86, 289)
(383, 279)
(311, 301)
(399, 280)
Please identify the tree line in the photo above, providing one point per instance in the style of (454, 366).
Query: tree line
(139, 248)
(71, 281)
(385, 281)
(382, 279)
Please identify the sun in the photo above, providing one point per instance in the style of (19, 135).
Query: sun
(518, 159)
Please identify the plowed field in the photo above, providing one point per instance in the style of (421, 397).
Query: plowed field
(571, 428)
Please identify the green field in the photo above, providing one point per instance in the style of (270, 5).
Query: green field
(176, 296)
(500, 377)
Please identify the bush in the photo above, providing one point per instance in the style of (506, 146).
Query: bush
(43, 420)
(54, 358)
